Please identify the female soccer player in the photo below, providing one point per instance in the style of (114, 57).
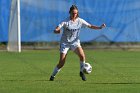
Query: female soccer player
(70, 39)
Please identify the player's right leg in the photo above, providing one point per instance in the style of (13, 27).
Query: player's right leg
(63, 53)
(58, 66)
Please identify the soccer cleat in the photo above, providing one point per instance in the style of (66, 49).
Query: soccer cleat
(83, 76)
(51, 78)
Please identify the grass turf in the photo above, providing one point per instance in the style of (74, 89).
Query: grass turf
(29, 72)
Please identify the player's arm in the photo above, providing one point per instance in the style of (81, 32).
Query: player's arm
(57, 30)
(97, 27)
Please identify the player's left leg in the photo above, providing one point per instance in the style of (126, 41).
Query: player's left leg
(79, 51)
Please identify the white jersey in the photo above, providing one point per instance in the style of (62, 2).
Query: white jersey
(71, 29)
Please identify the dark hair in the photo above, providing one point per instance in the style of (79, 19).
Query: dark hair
(72, 8)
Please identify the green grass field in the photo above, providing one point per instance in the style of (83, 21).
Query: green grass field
(29, 72)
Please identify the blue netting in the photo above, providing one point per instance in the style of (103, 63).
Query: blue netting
(40, 17)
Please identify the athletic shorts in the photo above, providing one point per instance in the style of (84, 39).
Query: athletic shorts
(64, 47)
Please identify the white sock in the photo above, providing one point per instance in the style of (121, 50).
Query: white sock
(55, 71)
(81, 65)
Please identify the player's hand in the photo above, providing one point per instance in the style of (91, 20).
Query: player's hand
(102, 26)
(57, 31)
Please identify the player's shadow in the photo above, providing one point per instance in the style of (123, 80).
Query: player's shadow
(102, 83)
(117, 83)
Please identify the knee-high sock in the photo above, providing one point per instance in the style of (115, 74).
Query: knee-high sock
(55, 71)
(81, 65)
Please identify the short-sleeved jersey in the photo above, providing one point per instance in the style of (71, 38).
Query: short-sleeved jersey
(71, 29)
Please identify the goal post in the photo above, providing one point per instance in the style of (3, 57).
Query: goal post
(14, 35)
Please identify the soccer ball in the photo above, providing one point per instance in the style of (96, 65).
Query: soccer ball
(87, 68)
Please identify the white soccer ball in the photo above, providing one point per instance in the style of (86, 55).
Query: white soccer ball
(87, 68)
